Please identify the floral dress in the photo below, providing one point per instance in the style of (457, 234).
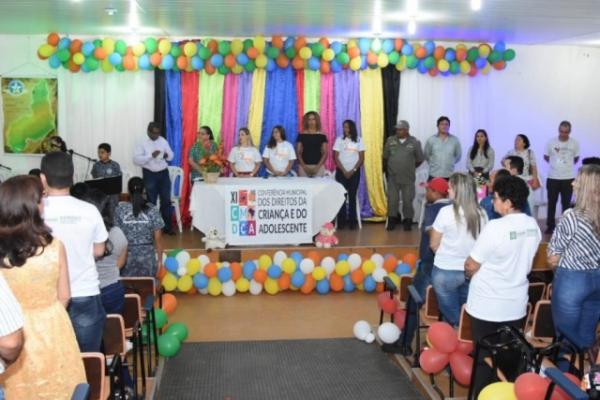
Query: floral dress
(198, 152)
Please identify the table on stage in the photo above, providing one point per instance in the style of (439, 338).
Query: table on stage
(258, 211)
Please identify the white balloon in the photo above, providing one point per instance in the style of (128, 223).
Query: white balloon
(370, 338)
(228, 288)
(361, 329)
(203, 291)
(377, 259)
(278, 257)
(203, 258)
(379, 274)
(328, 263)
(388, 332)
(307, 266)
(181, 271)
(255, 287)
(355, 261)
(164, 257)
(182, 258)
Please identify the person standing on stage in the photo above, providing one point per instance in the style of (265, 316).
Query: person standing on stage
(402, 155)
(152, 155)
(442, 151)
(311, 147)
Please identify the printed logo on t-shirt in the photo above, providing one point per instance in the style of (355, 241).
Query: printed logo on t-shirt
(520, 234)
(69, 219)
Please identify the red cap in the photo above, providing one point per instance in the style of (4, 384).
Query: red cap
(440, 185)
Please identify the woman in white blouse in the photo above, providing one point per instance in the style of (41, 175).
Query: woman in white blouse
(481, 155)
(349, 155)
(279, 154)
(522, 150)
(244, 158)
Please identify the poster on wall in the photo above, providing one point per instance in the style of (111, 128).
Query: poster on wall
(268, 216)
(30, 113)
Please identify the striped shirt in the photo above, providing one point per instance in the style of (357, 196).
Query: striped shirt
(11, 317)
(576, 242)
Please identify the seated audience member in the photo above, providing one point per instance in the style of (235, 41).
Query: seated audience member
(34, 265)
(514, 165)
(437, 197)
(575, 250)
(487, 203)
(311, 147)
(279, 154)
(498, 266)
(35, 172)
(453, 235)
(590, 160)
(205, 146)
(244, 158)
(481, 155)
(115, 255)
(141, 223)
(80, 228)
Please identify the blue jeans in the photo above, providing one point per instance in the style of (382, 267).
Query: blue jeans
(113, 298)
(158, 184)
(421, 281)
(88, 317)
(451, 289)
(576, 304)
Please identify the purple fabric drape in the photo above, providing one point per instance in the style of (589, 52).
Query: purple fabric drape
(347, 106)
(243, 102)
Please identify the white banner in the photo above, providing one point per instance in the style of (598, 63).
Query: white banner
(268, 216)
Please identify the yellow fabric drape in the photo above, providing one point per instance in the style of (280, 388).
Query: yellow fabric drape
(257, 104)
(210, 104)
(372, 127)
(312, 91)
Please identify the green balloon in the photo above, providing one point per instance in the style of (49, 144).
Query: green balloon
(97, 43)
(472, 54)
(394, 57)
(151, 45)
(161, 317)
(175, 50)
(63, 55)
(454, 67)
(272, 52)
(174, 252)
(224, 47)
(92, 64)
(168, 345)
(223, 70)
(429, 62)
(250, 66)
(247, 44)
(509, 55)
(317, 49)
(411, 61)
(494, 57)
(290, 52)
(343, 58)
(65, 64)
(203, 53)
(120, 67)
(179, 330)
(121, 47)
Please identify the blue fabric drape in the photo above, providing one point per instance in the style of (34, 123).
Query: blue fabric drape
(173, 115)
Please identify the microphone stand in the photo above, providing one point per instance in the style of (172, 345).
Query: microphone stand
(88, 159)
(5, 167)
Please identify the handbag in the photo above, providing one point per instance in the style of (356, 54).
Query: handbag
(534, 182)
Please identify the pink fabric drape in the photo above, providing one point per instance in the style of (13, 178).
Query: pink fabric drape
(230, 108)
(328, 116)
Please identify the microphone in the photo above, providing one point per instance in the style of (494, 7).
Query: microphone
(5, 167)
(74, 153)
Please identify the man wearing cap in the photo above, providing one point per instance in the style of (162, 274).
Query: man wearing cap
(402, 154)
(442, 150)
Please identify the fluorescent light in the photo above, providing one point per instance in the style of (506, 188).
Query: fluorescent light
(377, 17)
(475, 5)
(412, 26)
(134, 19)
(412, 7)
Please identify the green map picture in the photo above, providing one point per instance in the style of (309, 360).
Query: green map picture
(30, 113)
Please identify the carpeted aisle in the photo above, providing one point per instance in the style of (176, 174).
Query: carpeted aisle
(284, 369)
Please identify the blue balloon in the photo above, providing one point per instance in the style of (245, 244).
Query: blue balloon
(171, 264)
(421, 67)
(271, 65)
(500, 47)
(445, 73)
(363, 62)
(480, 63)
(387, 46)
(342, 256)
(297, 279)
(314, 63)
(242, 59)
(197, 63)
(54, 61)
(336, 47)
(335, 66)
(200, 281)
(369, 284)
(144, 61)
(115, 59)
(297, 257)
(364, 45)
(85, 68)
(216, 60)
(289, 42)
(402, 269)
(450, 55)
(407, 49)
(88, 48)
(248, 269)
(64, 43)
(224, 274)
(429, 46)
(323, 286)
(349, 286)
(274, 271)
(167, 62)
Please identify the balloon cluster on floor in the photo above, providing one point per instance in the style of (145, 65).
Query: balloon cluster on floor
(349, 272)
(387, 332)
(237, 55)
(527, 386)
(169, 343)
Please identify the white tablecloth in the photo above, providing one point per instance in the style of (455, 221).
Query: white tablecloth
(207, 202)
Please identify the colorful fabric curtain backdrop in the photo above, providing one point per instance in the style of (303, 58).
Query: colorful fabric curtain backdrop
(262, 100)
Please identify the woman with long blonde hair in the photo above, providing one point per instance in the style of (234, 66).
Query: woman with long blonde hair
(244, 158)
(453, 235)
(575, 249)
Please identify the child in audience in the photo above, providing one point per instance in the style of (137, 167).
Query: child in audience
(487, 203)
(105, 167)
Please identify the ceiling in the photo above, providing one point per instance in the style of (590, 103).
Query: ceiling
(515, 21)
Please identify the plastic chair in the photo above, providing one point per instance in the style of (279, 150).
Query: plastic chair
(176, 176)
(540, 198)
(95, 372)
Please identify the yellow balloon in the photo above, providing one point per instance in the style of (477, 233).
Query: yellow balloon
(138, 49)
(214, 286)
(351, 43)
(465, 67)
(260, 43)
(360, 286)
(193, 266)
(185, 283)
(46, 50)
(328, 54)
(164, 46)
(355, 63)
(498, 391)
(242, 285)
(484, 50)
(383, 60)
(108, 44)
(443, 65)
(237, 69)
(271, 286)
(485, 70)
(190, 49)
(169, 282)
(261, 61)
(288, 265)
(106, 66)
(401, 66)
(342, 268)
(395, 278)
(319, 273)
(305, 53)
(368, 267)
(78, 58)
(237, 46)
(461, 46)
(264, 261)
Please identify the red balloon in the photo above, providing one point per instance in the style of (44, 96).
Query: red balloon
(389, 306)
(465, 347)
(400, 317)
(462, 366)
(530, 386)
(443, 337)
(433, 361)
(559, 394)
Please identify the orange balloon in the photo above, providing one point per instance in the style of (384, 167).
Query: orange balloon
(298, 63)
(74, 67)
(410, 259)
(500, 65)
(398, 44)
(229, 61)
(193, 290)
(284, 282)
(100, 53)
(379, 287)
(252, 52)
(390, 263)
(421, 52)
(353, 52)
(324, 42)
(277, 41)
(371, 58)
(213, 46)
(129, 51)
(169, 303)
(210, 270)
(357, 276)
(53, 39)
(309, 284)
(260, 275)
(282, 61)
(433, 71)
(236, 270)
(76, 46)
(314, 255)
(300, 43)
(461, 54)
(325, 68)
(155, 59)
(336, 283)
(439, 53)
(128, 62)
(182, 62)
(208, 67)
(161, 272)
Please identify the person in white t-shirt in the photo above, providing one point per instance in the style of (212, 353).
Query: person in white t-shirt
(453, 234)
(562, 153)
(80, 227)
(498, 265)
(279, 154)
(244, 158)
(349, 156)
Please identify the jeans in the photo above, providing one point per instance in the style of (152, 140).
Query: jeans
(421, 281)
(451, 289)
(158, 185)
(88, 317)
(351, 186)
(576, 304)
(113, 298)
(564, 187)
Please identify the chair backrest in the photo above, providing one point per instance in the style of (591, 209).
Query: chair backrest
(543, 325)
(143, 285)
(548, 295)
(95, 366)
(464, 326)
(405, 281)
(536, 292)
(113, 337)
(176, 175)
(432, 309)
(132, 312)
(81, 392)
